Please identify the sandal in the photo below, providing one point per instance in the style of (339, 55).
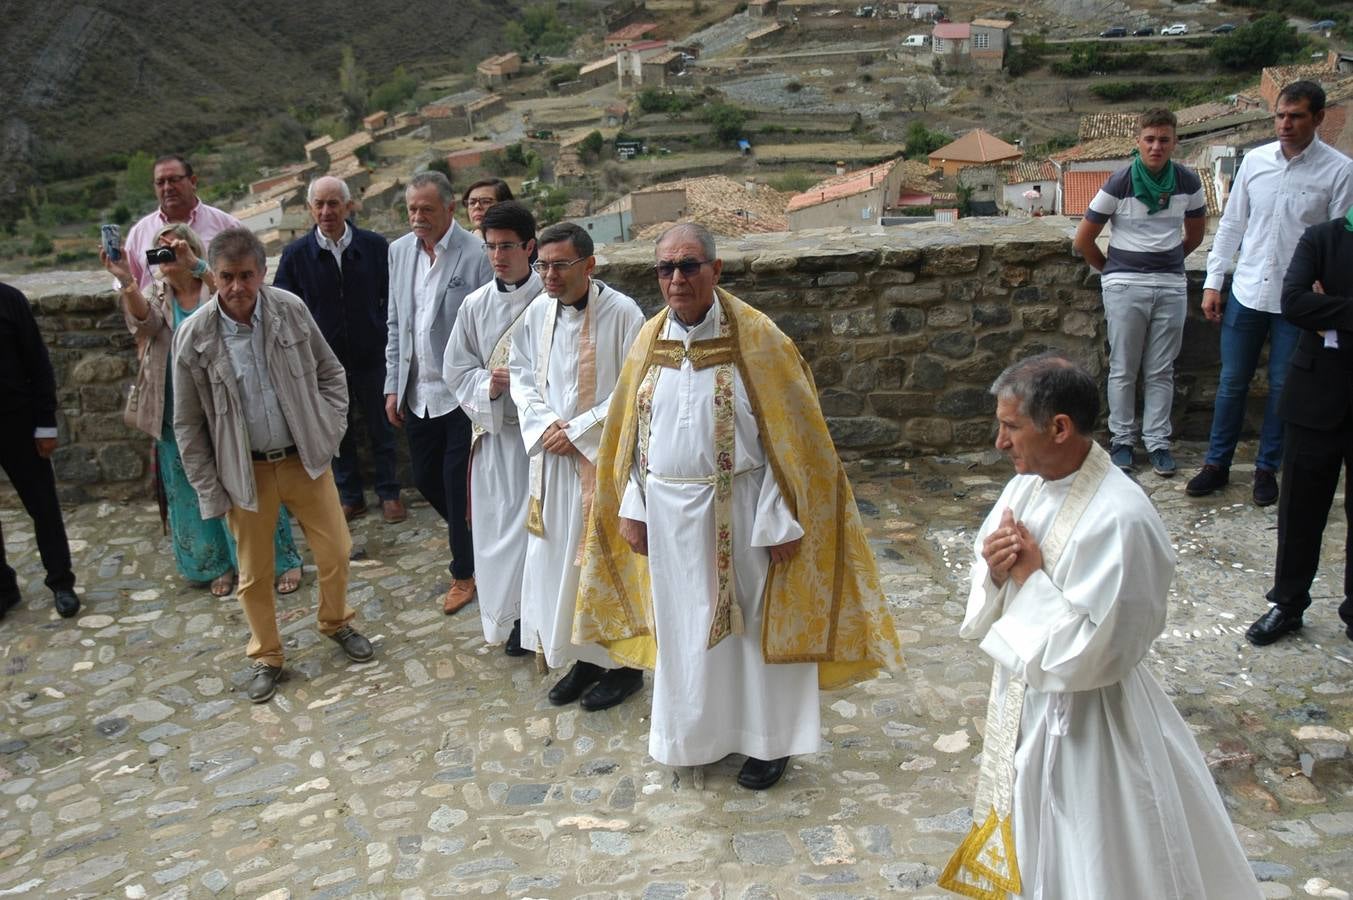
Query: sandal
(289, 581)
(223, 585)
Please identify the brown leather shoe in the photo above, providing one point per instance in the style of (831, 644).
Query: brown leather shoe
(354, 510)
(461, 593)
(393, 511)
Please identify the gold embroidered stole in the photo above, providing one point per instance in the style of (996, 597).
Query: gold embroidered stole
(985, 866)
(587, 387)
(717, 352)
(498, 360)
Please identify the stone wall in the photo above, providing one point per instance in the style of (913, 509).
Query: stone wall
(904, 328)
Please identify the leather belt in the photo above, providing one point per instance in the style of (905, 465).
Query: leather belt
(273, 455)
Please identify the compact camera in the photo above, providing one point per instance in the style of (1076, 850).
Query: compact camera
(157, 255)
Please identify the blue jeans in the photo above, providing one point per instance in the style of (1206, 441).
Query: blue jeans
(1243, 331)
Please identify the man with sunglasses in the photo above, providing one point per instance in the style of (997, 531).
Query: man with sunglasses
(432, 270)
(566, 356)
(726, 551)
(176, 190)
(476, 371)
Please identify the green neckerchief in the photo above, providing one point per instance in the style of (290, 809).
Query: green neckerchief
(1348, 219)
(1153, 190)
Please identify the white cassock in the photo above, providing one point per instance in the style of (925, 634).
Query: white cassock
(498, 466)
(1112, 798)
(550, 583)
(710, 702)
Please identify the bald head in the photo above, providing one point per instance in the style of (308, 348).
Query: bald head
(330, 204)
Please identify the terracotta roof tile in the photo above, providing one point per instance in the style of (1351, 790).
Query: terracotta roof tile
(840, 186)
(977, 146)
(1079, 188)
(952, 31)
(1028, 170)
(1103, 148)
(1106, 124)
(631, 32)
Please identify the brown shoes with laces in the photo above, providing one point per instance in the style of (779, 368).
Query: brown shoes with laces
(461, 593)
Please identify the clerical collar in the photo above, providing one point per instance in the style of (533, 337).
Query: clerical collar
(579, 306)
(507, 287)
(695, 324)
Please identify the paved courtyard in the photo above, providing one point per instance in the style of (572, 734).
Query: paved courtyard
(131, 764)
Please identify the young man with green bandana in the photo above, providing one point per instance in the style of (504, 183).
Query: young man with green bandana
(1157, 213)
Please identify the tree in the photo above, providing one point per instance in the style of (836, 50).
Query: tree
(137, 187)
(351, 88)
(922, 90)
(921, 141)
(282, 138)
(1264, 42)
(391, 95)
(590, 146)
(726, 120)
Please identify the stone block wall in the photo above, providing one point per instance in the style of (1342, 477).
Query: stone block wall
(904, 328)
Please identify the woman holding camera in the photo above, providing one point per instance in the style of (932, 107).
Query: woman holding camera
(203, 549)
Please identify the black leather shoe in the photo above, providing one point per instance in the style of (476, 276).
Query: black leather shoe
(1209, 478)
(264, 683)
(758, 774)
(67, 604)
(1272, 625)
(513, 645)
(1265, 488)
(572, 685)
(9, 600)
(354, 645)
(614, 686)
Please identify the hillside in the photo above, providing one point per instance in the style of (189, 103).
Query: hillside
(80, 81)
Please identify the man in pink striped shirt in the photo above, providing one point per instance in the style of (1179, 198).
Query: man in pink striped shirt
(176, 189)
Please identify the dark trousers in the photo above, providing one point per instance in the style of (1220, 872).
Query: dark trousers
(1311, 463)
(366, 391)
(33, 479)
(439, 453)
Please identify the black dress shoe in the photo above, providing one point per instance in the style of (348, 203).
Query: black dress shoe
(572, 685)
(758, 774)
(264, 683)
(9, 600)
(513, 645)
(357, 648)
(613, 687)
(67, 604)
(1265, 488)
(1272, 625)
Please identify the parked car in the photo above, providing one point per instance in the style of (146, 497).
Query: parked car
(1144, 32)
(1224, 28)
(1322, 25)
(916, 40)
(1175, 28)
(1115, 31)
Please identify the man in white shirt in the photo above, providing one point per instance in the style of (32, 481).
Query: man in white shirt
(432, 270)
(1281, 189)
(176, 191)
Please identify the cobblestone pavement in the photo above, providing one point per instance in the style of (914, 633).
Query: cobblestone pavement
(131, 765)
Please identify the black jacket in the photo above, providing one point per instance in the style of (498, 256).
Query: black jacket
(1319, 389)
(27, 383)
(349, 309)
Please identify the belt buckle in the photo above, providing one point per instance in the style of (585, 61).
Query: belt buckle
(274, 455)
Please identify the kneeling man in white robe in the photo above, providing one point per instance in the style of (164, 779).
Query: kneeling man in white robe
(1091, 786)
(736, 536)
(475, 369)
(565, 358)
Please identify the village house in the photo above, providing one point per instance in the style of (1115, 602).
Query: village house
(990, 39)
(854, 198)
(498, 69)
(977, 147)
(630, 34)
(951, 43)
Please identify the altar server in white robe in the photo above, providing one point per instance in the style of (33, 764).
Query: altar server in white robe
(714, 412)
(566, 356)
(475, 368)
(1091, 784)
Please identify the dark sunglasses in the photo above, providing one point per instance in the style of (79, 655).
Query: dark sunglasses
(687, 268)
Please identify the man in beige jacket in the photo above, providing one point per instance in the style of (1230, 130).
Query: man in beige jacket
(260, 404)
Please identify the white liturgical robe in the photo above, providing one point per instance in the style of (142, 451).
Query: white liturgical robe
(550, 582)
(498, 465)
(1112, 798)
(709, 702)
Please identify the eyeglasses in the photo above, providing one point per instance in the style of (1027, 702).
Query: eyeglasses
(503, 245)
(480, 201)
(168, 180)
(542, 267)
(687, 268)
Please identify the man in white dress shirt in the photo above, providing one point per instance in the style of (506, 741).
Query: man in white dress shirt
(476, 371)
(1091, 784)
(566, 356)
(1280, 190)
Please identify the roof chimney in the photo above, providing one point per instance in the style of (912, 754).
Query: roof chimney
(840, 167)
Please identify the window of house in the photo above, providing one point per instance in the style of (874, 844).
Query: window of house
(981, 40)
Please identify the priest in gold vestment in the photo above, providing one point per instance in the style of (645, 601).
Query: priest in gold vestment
(724, 549)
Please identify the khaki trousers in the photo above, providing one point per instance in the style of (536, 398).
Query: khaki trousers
(314, 503)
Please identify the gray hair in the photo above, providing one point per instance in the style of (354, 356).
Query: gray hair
(181, 230)
(235, 244)
(315, 183)
(1049, 385)
(432, 176)
(693, 230)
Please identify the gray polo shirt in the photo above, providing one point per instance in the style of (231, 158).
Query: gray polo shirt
(263, 417)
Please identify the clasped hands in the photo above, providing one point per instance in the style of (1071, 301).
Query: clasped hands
(1011, 552)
